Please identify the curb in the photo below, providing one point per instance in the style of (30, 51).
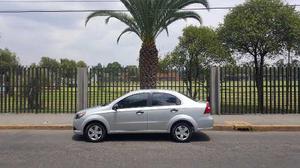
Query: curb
(276, 128)
(37, 127)
(217, 127)
(258, 128)
(222, 127)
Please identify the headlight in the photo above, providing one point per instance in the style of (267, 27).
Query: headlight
(79, 114)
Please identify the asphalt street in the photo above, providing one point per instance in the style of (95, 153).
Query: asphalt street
(51, 149)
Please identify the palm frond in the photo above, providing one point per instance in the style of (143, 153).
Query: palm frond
(94, 14)
(184, 3)
(124, 18)
(148, 18)
(127, 30)
(178, 16)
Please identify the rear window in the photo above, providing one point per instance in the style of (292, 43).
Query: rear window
(164, 99)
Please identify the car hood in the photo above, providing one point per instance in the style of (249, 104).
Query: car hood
(95, 109)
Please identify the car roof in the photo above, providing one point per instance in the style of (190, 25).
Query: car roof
(177, 94)
(154, 90)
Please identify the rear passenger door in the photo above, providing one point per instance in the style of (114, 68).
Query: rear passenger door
(163, 107)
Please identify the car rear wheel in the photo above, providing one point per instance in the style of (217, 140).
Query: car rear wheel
(95, 132)
(182, 132)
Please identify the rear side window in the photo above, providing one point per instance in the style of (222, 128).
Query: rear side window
(133, 101)
(164, 99)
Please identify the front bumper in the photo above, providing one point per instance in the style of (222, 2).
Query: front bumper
(77, 126)
(77, 132)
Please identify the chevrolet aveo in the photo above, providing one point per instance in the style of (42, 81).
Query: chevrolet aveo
(145, 111)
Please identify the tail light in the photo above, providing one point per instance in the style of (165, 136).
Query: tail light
(207, 108)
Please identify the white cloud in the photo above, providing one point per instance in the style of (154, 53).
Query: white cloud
(64, 35)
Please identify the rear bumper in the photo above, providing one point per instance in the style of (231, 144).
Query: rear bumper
(206, 122)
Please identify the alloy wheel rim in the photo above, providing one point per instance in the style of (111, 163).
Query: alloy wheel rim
(95, 132)
(182, 132)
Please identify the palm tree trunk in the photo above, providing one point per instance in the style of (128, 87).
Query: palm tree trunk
(148, 63)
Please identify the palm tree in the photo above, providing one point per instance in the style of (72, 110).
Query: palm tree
(147, 19)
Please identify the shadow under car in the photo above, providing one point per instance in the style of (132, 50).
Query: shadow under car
(198, 136)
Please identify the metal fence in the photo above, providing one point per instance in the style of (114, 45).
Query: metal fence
(38, 90)
(46, 90)
(106, 86)
(281, 90)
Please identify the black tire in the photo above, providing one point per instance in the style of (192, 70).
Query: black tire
(95, 126)
(182, 125)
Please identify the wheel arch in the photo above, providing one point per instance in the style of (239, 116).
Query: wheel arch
(182, 118)
(99, 120)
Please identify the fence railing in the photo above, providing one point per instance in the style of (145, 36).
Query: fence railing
(105, 86)
(281, 90)
(38, 90)
(232, 90)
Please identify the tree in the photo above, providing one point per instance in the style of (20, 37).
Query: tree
(295, 63)
(279, 63)
(202, 47)
(33, 90)
(8, 60)
(291, 39)
(49, 63)
(68, 68)
(97, 71)
(113, 69)
(81, 64)
(98, 66)
(147, 19)
(165, 63)
(255, 29)
(290, 30)
(198, 48)
(131, 72)
(51, 66)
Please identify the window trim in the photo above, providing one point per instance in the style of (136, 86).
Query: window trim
(151, 100)
(148, 100)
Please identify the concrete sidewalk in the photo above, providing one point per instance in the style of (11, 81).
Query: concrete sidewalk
(222, 122)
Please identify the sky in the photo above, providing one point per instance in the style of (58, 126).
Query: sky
(64, 35)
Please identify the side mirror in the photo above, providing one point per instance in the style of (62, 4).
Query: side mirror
(115, 107)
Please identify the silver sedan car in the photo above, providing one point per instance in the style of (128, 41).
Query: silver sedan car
(145, 111)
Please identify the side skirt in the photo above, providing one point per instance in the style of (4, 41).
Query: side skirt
(138, 132)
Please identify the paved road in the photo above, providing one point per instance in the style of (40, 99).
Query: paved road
(209, 149)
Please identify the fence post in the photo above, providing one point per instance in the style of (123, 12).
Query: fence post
(82, 88)
(215, 96)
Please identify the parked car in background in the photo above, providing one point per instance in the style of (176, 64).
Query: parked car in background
(145, 111)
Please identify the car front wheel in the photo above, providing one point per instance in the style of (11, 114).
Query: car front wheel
(95, 132)
(182, 132)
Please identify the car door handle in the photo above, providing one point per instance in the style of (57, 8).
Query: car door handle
(139, 112)
(174, 110)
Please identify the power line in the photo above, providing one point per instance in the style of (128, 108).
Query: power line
(90, 10)
(57, 11)
(93, 10)
(115, 10)
(62, 1)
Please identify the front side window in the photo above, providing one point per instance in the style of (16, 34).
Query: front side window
(133, 101)
(164, 99)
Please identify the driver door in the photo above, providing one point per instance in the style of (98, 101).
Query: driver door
(132, 113)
